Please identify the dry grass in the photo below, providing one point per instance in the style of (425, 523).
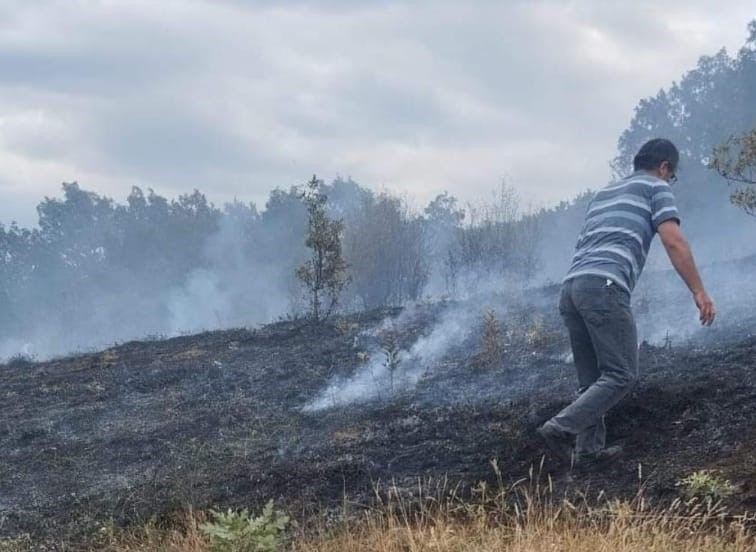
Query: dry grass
(622, 531)
(527, 517)
(184, 536)
(521, 517)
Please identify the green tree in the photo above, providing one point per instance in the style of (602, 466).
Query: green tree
(324, 273)
(735, 160)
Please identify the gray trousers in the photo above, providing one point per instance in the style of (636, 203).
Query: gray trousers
(604, 343)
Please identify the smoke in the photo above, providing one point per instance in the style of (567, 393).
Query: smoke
(382, 377)
(453, 330)
(667, 315)
(236, 289)
(239, 279)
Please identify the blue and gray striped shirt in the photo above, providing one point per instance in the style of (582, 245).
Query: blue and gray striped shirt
(620, 223)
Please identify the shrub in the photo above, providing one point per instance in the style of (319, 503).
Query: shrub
(242, 532)
(705, 484)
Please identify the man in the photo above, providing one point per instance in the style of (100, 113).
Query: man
(595, 301)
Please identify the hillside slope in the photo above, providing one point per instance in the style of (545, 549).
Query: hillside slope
(237, 417)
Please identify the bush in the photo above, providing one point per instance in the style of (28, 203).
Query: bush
(705, 484)
(242, 532)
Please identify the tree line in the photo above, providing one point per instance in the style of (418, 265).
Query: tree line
(93, 262)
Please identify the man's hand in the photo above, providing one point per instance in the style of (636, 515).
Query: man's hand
(682, 259)
(705, 308)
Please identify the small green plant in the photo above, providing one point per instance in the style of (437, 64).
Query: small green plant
(493, 349)
(706, 484)
(667, 341)
(391, 351)
(243, 532)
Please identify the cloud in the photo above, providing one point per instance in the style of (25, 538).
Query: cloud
(236, 98)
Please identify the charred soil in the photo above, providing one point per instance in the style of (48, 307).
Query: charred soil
(218, 420)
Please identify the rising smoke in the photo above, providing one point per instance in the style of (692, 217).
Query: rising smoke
(162, 271)
(382, 377)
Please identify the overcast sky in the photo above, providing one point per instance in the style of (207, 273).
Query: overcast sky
(236, 98)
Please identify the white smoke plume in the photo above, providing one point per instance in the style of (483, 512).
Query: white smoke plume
(375, 380)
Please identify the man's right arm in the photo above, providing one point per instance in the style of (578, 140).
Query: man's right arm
(682, 259)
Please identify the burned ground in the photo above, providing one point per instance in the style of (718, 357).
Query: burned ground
(219, 419)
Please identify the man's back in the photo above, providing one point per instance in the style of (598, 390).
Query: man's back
(619, 225)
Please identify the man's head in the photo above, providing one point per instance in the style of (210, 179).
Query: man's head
(659, 157)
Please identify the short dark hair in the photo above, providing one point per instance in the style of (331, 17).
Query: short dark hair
(655, 152)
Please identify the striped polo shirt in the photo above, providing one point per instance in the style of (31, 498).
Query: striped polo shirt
(620, 223)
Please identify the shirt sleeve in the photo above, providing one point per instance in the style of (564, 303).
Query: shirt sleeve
(663, 206)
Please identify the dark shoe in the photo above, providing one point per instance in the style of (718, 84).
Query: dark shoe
(599, 459)
(559, 442)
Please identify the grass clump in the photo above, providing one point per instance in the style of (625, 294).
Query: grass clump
(706, 485)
